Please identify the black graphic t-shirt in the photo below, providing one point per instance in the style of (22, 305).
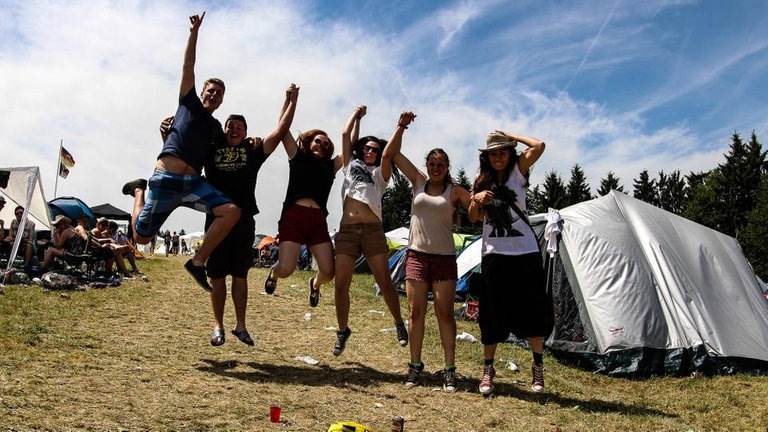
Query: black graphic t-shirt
(504, 231)
(233, 170)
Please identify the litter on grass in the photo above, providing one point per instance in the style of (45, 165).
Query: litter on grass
(308, 360)
(466, 337)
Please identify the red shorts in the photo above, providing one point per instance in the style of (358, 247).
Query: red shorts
(303, 225)
(430, 268)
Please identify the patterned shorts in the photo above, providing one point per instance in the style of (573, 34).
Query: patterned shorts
(168, 191)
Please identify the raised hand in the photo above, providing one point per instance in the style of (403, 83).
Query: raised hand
(195, 21)
(406, 118)
(360, 111)
(292, 93)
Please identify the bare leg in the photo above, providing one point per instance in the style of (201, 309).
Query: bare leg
(131, 256)
(28, 250)
(240, 299)
(537, 344)
(323, 254)
(345, 265)
(121, 263)
(226, 217)
(289, 257)
(218, 300)
(49, 256)
(417, 305)
(489, 351)
(138, 205)
(444, 295)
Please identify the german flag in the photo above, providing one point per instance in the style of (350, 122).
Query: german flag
(66, 158)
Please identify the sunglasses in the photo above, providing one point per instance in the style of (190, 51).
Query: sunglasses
(368, 148)
(322, 143)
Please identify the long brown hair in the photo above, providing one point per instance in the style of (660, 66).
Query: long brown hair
(305, 142)
(486, 177)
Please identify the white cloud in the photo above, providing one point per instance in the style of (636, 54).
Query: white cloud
(101, 76)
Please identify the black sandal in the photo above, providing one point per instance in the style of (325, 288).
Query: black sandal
(217, 337)
(243, 336)
(314, 293)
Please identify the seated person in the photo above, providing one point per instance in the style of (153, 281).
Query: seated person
(126, 249)
(27, 233)
(103, 241)
(65, 240)
(4, 249)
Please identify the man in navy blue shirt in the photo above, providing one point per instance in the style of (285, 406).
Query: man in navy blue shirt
(177, 178)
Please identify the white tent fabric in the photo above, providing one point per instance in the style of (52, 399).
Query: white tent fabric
(25, 189)
(399, 235)
(649, 278)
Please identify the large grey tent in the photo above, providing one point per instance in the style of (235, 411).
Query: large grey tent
(641, 291)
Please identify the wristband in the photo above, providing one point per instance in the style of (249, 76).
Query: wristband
(402, 126)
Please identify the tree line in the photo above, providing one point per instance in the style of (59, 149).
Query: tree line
(731, 198)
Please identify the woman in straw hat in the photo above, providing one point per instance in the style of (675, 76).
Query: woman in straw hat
(513, 299)
(65, 239)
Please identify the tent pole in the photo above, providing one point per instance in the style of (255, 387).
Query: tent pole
(58, 168)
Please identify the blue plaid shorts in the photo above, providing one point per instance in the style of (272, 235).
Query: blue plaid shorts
(168, 191)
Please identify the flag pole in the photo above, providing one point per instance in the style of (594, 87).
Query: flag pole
(58, 167)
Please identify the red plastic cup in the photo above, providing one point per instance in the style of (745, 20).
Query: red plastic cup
(274, 413)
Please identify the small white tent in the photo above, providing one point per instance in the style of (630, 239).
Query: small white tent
(25, 189)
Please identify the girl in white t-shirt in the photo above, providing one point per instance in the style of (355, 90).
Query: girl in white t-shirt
(367, 167)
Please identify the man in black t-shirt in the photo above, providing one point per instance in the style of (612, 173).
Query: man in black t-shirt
(233, 167)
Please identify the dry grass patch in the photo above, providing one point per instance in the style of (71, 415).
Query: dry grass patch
(137, 357)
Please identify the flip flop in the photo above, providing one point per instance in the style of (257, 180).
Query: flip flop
(217, 337)
(243, 336)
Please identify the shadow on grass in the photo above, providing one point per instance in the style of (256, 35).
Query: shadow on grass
(587, 406)
(355, 374)
(352, 374)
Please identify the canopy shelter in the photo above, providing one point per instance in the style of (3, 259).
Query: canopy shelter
(22, 186)
(109, 211)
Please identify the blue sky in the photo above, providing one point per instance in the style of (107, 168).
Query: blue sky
(614, 86)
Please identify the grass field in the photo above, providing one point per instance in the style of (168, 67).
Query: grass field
(137, 357)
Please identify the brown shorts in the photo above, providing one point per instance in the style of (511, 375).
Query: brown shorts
(365, 238)
(303, 225)
(430, 268)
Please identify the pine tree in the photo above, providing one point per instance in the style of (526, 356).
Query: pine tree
(578, 188)
(645, 188)
(466, 226)
(609, 183)
(396, 203)
(700, 197)
(736, 186)
(555, 194)
(535, 200)
(755, 233)
(671, 192)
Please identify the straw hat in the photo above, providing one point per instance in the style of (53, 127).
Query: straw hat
(102, 220)
(61, 218)
(497, 141)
